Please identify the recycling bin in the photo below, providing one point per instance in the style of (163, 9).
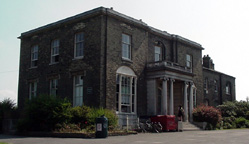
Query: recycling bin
(101, 127)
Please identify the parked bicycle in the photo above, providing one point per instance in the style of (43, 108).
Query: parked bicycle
(148, 126)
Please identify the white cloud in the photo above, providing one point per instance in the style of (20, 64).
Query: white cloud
(4, 94)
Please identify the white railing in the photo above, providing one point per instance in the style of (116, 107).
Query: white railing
(167, 64)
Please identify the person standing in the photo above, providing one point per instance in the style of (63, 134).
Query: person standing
(180, 113)
(180, 118)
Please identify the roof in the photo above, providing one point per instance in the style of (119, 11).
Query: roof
(111, 12)
(211, 70)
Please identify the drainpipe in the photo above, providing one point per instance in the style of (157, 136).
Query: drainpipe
(105, 59)
(221, 101)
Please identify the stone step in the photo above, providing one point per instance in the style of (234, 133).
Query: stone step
(187, 126)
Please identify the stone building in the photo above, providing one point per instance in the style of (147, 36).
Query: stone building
(218, 87)
(103, 58)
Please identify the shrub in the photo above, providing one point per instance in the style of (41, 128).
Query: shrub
(80, 115)
(235, 108)
(207, 114)
(7, 106)
(240, 122)
(229, 125)
(247, 115)
(67, 127)
(97, 112)
(44, 111)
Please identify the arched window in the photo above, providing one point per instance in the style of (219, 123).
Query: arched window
(126, 90)
(228, 88)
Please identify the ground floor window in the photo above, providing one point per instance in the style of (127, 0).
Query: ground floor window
(32, 89)
(53, 87)
(125, 93)
(78, 91)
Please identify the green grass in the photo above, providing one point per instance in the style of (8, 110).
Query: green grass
(3, 143)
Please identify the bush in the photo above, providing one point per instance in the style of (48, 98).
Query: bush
(247, 115)
(97, 112)
(44, 111)
(67, 127)
(7, 106)
(240, 122)
(235, 108)
(80, 115)
(207, 114)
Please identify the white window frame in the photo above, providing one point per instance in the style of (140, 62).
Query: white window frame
(55, 48)
(78, 89)
(122, 94)
(228, 88)
(34, 55)
(126, 47)
(189, 61)
(32, 89)
(54, 87)
(158, 54)
(79, 42)
(215, 86)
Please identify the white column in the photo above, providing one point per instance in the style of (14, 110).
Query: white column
(120, 91)
(191, 102)
(186, 102)
(131, 78)
(171, 104)
(164, 99)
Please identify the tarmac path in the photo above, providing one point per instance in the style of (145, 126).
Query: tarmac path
(240, 136)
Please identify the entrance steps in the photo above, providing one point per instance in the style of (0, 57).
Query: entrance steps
(187, 126)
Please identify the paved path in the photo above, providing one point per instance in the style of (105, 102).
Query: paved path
(186, 137)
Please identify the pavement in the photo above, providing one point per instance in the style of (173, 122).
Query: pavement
(240, 136)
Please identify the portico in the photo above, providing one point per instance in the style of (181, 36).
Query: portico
(167, 89)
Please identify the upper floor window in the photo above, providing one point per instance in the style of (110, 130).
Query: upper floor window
(32, 89)
(206, 83)
(55, 51)
(158, 53)
(126, 46)
(79, 45)
(78, 91)
(189, 61)
(215, 86)
(53, 87)
(228, 88)
(34, 56)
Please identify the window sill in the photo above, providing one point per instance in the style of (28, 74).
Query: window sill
(53, 63)
(78, 58)
(126, 60)
(124, 113)
(33, 67)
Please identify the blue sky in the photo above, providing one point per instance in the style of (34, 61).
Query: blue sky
(220, 26)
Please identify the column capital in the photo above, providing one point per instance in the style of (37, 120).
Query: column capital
(186, 83)
(164, 78)
(172, 80)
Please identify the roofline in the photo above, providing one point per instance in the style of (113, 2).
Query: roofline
(204, 68)
(111, 12)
